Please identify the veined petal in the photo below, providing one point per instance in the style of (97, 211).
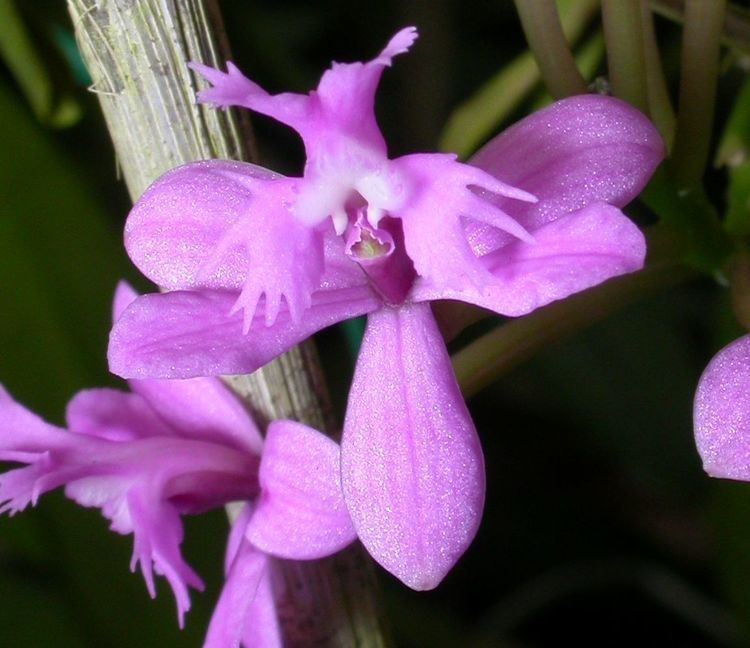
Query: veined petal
(198, 408)
(202, 409)
(412, 466)
(227, 225)
(187, 334)
(579, 150)
(433, 217)
(301, 512)
(574, 252)
(246, 611)
(114, 415)
(722, 413)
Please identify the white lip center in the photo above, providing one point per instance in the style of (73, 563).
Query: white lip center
(341, 172)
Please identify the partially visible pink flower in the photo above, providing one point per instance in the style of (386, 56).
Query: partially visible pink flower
(170, 448)
(254, 262)
(722, 413)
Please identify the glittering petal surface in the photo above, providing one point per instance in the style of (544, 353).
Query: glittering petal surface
(226, 225)
(188, 334)
(412, 466)
(301, 512)
(572, 253)
(583, 149)
(246, 613)
(722, 413)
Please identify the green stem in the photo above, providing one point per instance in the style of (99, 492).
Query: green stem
(544, 33)
(659, 103)
(699, 75)
(485, 359)
(623, 33)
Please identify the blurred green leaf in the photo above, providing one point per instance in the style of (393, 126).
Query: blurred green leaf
(691, 219)
(482, 114)
(734, 152)
(18, 50)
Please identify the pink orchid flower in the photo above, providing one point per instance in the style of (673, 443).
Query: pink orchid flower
(253, 262)
(170, 448)
(722, 413)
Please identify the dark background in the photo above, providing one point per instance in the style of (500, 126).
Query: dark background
(600, 526)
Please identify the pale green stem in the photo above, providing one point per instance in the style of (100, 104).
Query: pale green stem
(699, 75)
(544, 33)
(488, 357)
(659, 103)
(626, 58)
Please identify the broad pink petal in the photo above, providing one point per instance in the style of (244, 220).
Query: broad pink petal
(202, 409)
(577, 251)
(722, 413)
(246, 612)
(412, 466)
(186, 334)
(114, 415)
(227, 225)
(579, 150)
(301, 512)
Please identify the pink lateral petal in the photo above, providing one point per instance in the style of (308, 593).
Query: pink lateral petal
(574, 252)
(226, 225)
(412, 466)
(246, 611)
(579, 150)
(301, 512)
(114, 415)
(23, 431)
(721, 413)
(202, 409)
(187, 334)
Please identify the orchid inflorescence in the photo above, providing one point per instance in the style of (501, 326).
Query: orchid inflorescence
(250, 262)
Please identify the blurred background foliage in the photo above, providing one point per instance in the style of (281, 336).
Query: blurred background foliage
(600, 525)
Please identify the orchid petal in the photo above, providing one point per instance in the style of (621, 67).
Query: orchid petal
(574, 252)
(343, 101)
(158, 534)
(580, 150)
(722, 413)
(202, 409)
(433, 218)
(114, 415)
(227, 225)
(246, 611)
(412, 466)
(186, 334)
(125, 295)
(301, 512)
